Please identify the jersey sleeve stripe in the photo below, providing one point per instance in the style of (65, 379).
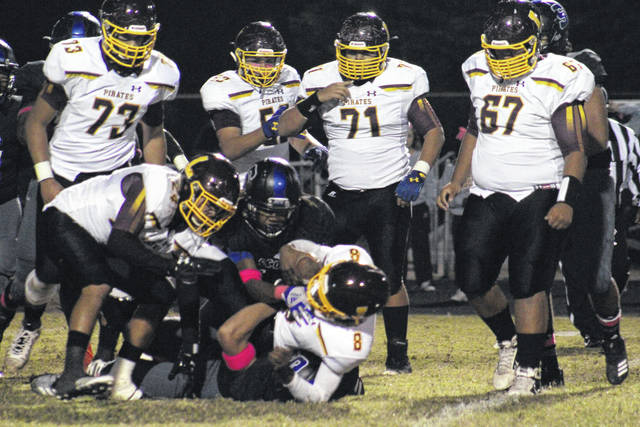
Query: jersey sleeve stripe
(476, 72)
(160, 85)
(391, 88)
(548, 82)
(82, 74)
(291, 83)
(237, 95)
(324, 346)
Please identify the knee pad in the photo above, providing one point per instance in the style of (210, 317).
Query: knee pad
(37, 292)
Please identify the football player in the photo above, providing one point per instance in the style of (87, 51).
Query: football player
(29, 79)
(366, 100)
(332, 317)
(273, 212)
(155, 221)
(10, 149)
(309, 373)
(587, 257)
(523, 195)
(99, 89)
(244, 104)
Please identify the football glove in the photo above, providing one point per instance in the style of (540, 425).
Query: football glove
(188, 268)
(411, 185)
(185, 364)
(299, 311)
(318, 155)
(270, 127)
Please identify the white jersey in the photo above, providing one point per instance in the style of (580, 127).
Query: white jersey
(96, 128)
(227, 91)
(517, 150)
(340, 348)
(368, 133)
(95, 203)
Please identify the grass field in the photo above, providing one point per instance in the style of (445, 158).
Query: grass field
(452, 358)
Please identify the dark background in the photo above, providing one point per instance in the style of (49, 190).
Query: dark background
(435, 34)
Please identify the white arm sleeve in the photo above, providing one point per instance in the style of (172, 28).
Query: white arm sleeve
(324, 384)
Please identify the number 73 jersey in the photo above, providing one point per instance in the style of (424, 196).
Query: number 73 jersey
(367, 134)
(96, 128)
(516, 150)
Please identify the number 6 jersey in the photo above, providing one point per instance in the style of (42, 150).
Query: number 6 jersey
(96, 128)
(517, 150)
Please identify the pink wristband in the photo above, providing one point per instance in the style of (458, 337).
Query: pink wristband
(25, 109)
(250, 274)
(240, 360)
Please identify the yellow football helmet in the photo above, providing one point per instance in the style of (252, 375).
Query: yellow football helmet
(259, 52)
(362, 46)
(209, 197)
(510, 40)
(346, 292)
(129, 31)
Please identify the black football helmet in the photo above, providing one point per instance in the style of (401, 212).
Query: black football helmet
(346, 292)
(129, 31)
(366, 34)
(210, 192)
(554, 33)
(593, 62)
(74, 25)
(8, 67)
(510, 40)
(272, 196)
(259, 51)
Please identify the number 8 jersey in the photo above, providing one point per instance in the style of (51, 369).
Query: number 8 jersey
(368, 133)
(96, 127)
(516, 150)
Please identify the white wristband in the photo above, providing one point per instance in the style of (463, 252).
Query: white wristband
(422, 166)
(180, 162)
(43, 170)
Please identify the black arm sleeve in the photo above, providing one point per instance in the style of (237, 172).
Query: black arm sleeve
(472, 125)
(54, 95)
(154, 115)
(569, 125)
(422, 116)
(224, 119)
(128, 246)
(189, 307)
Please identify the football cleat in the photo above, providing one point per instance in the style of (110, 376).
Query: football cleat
(592, 341)
(99, 367)
(551, 377)
(459, 296)
(20, 350)
(526, 382)
(397, 359)
(43, 384)
(125, 391)
(84, 386)
(427, 286)
(504, 374)
(615, 354)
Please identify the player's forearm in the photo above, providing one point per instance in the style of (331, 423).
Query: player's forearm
(462, 169)
(597, 124)
(240, 145)
(154, 146)
(432, 144)
(291, 122)
(575, 164)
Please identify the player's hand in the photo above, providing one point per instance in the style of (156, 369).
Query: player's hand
(271, 126)
(559, 216)
(280, 358)
(409, 188)
(318, 155)
(188, 268)
(336, 91)
(447, 194)
(49, 188)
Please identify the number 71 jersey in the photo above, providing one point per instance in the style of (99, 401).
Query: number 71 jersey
(96, 128)
(367, 134)
(517, 149)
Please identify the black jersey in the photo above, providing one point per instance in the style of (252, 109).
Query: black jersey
(11, 151)
(314, 221)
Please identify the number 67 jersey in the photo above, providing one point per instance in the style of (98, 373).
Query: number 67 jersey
(516, 150)
(96, 127)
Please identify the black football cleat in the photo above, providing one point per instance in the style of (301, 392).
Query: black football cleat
(397, 359)
(615, 354)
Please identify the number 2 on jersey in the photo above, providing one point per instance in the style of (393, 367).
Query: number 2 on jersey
(106, 105)
(491, 109)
